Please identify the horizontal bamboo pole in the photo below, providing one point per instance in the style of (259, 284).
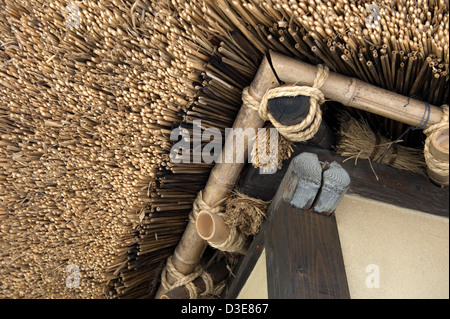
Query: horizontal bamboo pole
(356, 93)
(223, 177)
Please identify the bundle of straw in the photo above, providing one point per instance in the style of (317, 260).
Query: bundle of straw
(245, 212)
(358, 141)
(275, 149)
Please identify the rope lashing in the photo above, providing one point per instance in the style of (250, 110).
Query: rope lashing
(304, 130)
(186, 280)
(235, 241)
(200, 205)
(434, 164)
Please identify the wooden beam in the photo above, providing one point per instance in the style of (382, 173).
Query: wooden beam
(396, 187)
(304, 257)
(293, 110)
(401, 188)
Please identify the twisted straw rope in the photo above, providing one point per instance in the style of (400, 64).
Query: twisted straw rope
(235, 241)
(186, 280)
(201, 206)
(304, 130)
(435, 165)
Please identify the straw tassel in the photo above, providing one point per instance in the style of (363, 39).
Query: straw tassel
(358, 141)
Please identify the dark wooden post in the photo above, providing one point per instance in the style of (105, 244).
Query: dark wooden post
(304, 257)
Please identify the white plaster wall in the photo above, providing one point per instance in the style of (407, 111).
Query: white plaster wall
(408, 249)
(389, 252)
(256, 285)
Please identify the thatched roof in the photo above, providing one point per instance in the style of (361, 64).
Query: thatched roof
(90, 90)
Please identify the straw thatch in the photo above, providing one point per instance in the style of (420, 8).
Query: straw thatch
(358, 141)
(90, 90)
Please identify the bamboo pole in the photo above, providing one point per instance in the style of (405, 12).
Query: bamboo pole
(212, 228)
(357, 94)
(222, 179)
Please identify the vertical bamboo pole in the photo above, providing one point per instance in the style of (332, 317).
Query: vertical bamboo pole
(223, 177)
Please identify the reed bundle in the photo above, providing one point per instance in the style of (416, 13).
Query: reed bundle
(86, 110)
(358, 141)
(245, 212)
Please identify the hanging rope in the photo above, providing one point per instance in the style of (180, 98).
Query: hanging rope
(434, 164)
(304, 130)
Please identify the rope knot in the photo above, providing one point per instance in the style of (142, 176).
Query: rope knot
(300, 132)
(186, 280)
(304, 130)
(201, 206)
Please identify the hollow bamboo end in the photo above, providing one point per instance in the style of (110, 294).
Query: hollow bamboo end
(211, 227)
(439, 148)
